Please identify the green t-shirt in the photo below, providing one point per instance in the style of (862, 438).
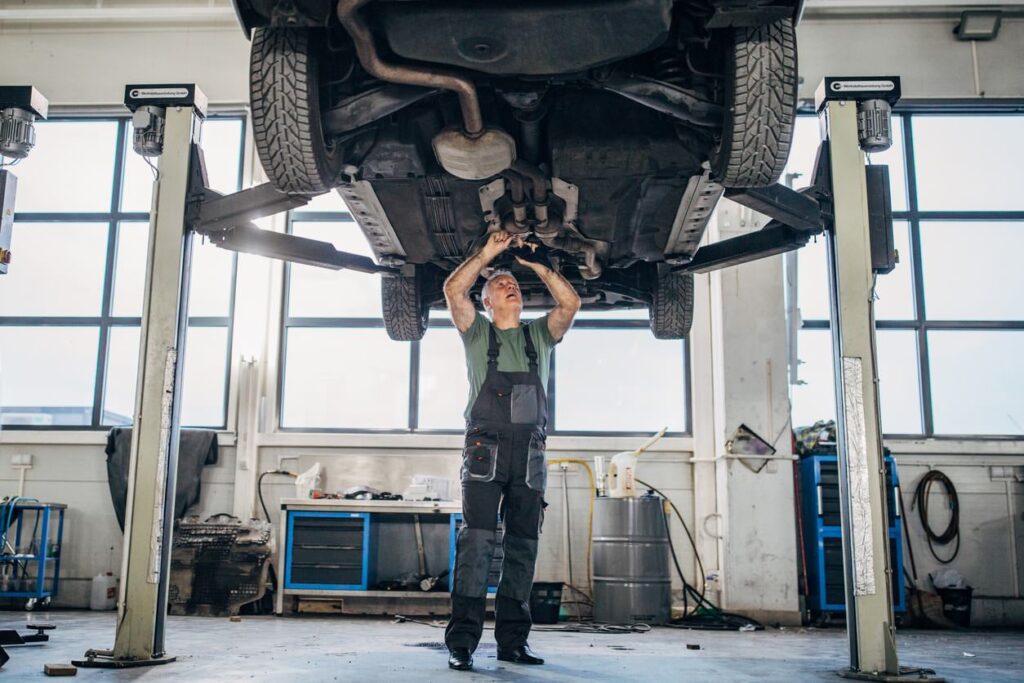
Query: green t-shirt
(511, 354)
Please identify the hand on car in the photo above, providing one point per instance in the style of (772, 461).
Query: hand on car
(538, 268)
(499, 241)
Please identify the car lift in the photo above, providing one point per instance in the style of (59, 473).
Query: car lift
(847, 201)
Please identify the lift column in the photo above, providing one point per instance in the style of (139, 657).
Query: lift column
(842, 104)
(166, 121)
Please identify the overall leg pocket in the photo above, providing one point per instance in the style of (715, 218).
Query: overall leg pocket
(480, 458)
(536, 464)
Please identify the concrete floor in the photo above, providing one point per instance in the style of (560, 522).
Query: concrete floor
(376, 649)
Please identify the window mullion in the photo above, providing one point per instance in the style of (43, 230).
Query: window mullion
(99, 388)
(917, 278)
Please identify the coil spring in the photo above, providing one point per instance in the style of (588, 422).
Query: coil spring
(670, 67)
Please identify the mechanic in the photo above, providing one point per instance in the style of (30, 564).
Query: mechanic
(503, 466)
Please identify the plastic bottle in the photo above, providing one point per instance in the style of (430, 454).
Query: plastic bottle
(103, 595)
(622, 469)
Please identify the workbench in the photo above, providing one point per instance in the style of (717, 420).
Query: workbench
(334, 554)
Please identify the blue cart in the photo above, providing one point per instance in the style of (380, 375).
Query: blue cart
(30, 552)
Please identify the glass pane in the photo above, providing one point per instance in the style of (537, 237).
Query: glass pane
(137, 189)
(212, 267)
(959, 286)
(639, 379)
(894, 158)
(345, 378)
(895, 290)
(330, 201)
(968, 163)
(210, 293)
(56, 269)
(222, 151)
(206, 374)
(71, 167)
(899, 381)
(814, 397)
(444, 387)
(122, 375)
(319, 292)
(130, 268)
(47, 375)
(625, 314)
(812, 280)
(804, 150)
(976, 380)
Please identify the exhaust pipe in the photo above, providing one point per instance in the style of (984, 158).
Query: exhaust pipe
(348, 15)
(472, 152)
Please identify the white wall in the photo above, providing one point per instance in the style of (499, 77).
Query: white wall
(924, 52)
(86, 64)
(65, 470)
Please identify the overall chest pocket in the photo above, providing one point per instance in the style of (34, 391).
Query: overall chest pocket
(479, 458)
(525, 404)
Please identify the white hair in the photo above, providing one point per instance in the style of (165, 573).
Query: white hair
(494, 274)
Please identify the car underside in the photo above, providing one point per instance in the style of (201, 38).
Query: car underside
(603, 130)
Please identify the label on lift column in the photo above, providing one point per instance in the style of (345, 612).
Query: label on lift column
(164, 95)
(158, 93)
(858, 89)
(861, 86)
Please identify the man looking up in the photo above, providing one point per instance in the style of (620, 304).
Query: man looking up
(503, 464)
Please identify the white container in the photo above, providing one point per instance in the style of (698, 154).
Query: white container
(622, 475)
(622, 469)
(103, 595)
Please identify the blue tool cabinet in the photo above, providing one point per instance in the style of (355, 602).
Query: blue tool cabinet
(328, 551)
(820, 500)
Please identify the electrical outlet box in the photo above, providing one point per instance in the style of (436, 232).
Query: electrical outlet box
(563, 467)
(21, 460)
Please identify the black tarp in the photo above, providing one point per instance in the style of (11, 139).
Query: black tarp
(198, 449)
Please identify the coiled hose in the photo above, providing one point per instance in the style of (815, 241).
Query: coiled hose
(952, 530)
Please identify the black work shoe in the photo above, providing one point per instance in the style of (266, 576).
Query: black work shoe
(519, 655)
(460, 659)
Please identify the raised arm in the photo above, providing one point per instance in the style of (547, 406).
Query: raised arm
(458, 284)
(567, 301)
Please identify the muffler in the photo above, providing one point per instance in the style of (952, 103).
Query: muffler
(471, 152)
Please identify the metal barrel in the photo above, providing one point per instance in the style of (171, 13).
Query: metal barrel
(632, 579)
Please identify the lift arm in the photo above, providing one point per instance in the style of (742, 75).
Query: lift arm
(225, 220)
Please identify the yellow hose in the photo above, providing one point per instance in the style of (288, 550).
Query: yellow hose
(590, 516)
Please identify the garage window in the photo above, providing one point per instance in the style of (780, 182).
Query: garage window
(950, 319)
(341, 372)
(71, 303)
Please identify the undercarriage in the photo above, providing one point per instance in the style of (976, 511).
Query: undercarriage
(605, 131)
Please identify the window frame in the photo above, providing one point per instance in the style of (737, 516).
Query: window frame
(914, 217)
(412, 426)
(106, 321)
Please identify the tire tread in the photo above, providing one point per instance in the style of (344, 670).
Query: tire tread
(285, 111)
(761, 105)
(671, 307)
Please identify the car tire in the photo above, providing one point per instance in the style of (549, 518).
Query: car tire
(285, 99)
(760, 105)
(405, 311)
(672, 306)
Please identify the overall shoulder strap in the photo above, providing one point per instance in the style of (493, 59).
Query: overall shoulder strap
(531, 351)
(492, 346)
